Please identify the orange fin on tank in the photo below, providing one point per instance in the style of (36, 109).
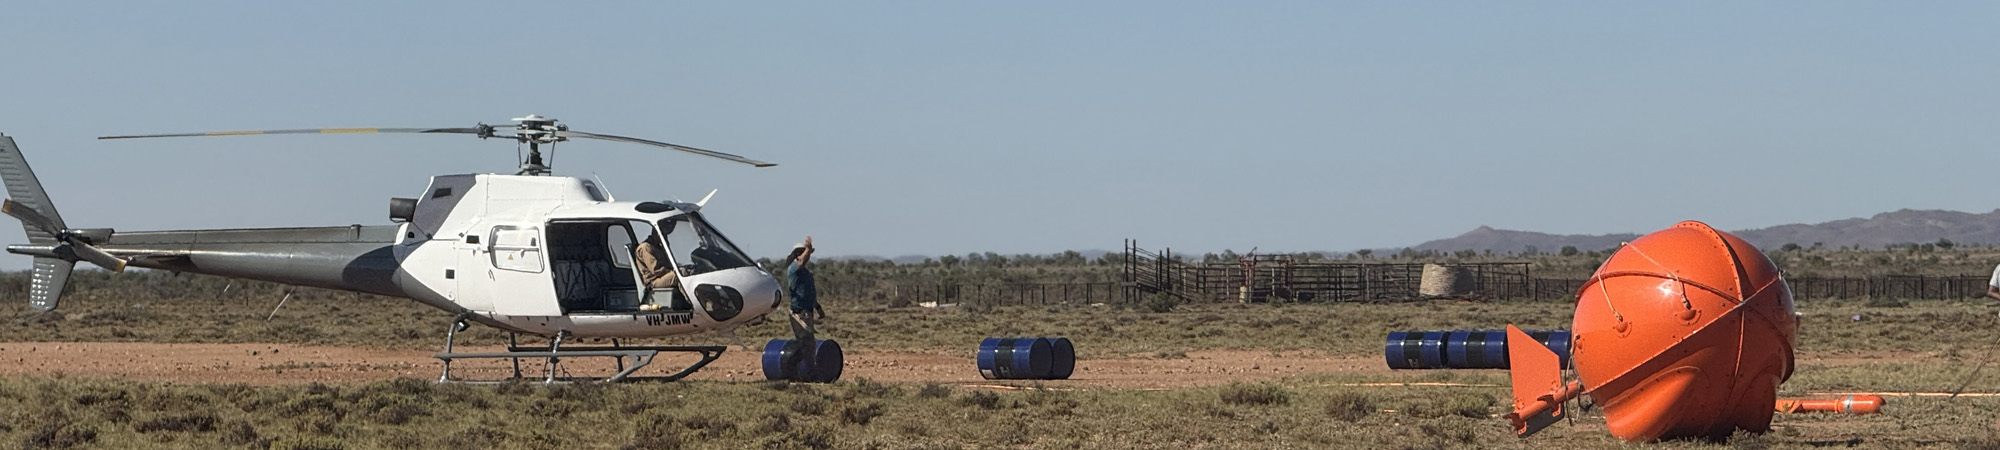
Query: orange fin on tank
(1539, 391)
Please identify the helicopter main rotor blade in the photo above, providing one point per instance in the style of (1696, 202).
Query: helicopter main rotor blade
(304, 131)
(633, 140)
(30, 216)
(529, 131)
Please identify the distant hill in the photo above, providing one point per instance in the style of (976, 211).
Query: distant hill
(1889, 228)
(1898, 227)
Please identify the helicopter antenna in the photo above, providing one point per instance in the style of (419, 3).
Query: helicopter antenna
(532, 131)
(608, 196)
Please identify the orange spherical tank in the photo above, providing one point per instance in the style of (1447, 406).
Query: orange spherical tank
(1685, 332)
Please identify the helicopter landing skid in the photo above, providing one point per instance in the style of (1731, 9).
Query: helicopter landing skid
(641, 356)
(554, 352)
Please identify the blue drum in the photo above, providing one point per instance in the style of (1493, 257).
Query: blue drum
(1063, 362)
(1559, 342)
(1015, 358)
(1476, 349)
(823, 364)
(775, 353)
(1404, 351)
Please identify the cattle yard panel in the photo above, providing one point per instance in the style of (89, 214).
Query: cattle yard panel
(1259, 278)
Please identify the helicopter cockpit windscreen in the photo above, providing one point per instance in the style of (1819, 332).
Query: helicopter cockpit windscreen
(697, 248)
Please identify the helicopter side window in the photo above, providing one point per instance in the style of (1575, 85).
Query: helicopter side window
(618, 242)
(516, 248)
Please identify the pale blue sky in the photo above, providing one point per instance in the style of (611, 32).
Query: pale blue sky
(1031, 127)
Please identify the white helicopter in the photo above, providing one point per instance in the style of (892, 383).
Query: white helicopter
(529, 253)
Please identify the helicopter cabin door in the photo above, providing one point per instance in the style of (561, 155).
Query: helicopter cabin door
(519, 273)
(591, 264)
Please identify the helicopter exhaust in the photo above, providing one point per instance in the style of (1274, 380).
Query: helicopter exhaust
(402, 209)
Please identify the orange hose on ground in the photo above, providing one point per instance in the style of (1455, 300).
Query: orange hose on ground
(1852, 404)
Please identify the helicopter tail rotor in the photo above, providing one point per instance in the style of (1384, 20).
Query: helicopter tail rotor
(74, 243)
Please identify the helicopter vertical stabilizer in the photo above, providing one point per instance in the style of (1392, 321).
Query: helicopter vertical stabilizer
(51, 275)
(24, 188)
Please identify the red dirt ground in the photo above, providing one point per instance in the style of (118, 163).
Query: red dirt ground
(270, 364)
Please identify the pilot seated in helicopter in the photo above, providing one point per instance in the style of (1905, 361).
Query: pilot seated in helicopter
(659, 274)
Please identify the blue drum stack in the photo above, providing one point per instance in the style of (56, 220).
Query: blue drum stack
(1463, 349)
(1026, 358)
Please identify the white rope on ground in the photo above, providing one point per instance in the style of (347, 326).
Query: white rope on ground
(1948, 395)
(1974, 374)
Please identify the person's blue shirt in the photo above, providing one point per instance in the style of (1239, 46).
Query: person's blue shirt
(800, 281)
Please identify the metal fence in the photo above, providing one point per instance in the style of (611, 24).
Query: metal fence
(1261, 278)
(1280, 278)
(1803, 288)
(1007, 294)
(1929, 287)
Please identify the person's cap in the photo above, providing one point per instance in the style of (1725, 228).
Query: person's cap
(798, 246)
